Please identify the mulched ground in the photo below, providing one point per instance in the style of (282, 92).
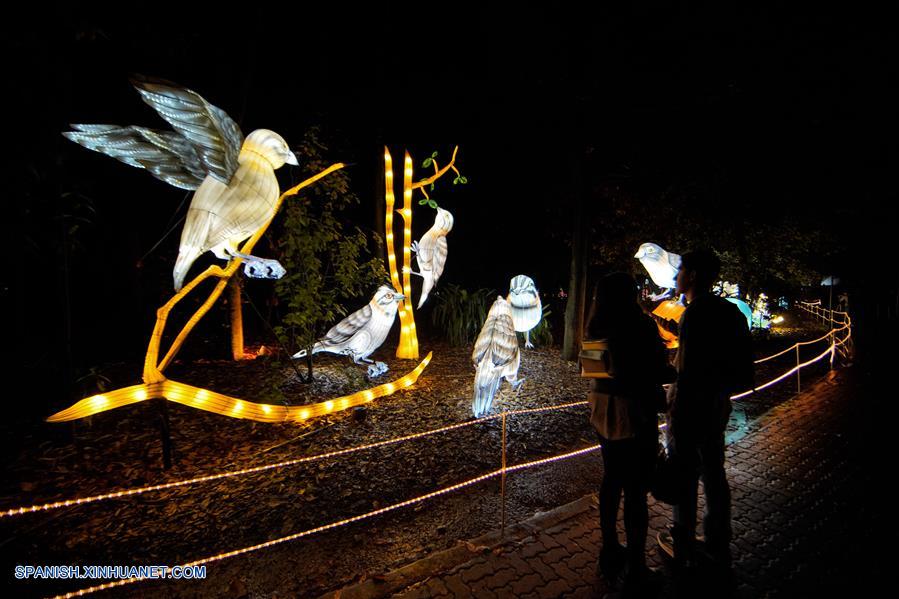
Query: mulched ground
(121, 449)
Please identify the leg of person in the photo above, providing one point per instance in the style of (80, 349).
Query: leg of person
(611, 554)
(716, 519)
(685, 453)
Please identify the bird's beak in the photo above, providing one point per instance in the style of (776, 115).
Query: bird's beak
(639, 254)
(291, 159)
(400, 296)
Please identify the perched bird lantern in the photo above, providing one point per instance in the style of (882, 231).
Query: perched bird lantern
(527, 311)
(662, 267)
(431, 252)
(236, 188)
(495, 356)
(362, 332)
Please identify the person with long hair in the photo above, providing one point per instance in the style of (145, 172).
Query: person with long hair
(638, 367)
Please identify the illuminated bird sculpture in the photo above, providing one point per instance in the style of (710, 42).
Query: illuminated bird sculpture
(662, 267)
(431, 251)
(234, 178)
(495, 356)
(362, 332)
(527, 311)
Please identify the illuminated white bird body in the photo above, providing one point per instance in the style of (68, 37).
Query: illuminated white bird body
(527, 310)
(495, 356)
(236, 189)
(363, 331)
(431, 252)
(662, 267)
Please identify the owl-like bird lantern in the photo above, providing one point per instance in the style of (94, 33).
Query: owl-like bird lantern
(236, 191)
(495, 356)
(431, 251)
(362, 332)
(527, 310)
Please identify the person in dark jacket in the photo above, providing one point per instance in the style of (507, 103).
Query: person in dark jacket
(639, 365)
(714, 361)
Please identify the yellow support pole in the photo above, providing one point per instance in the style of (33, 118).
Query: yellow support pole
(236, 320)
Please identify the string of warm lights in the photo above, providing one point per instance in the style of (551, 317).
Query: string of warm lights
(219, 403)
(332, 525)
(829, 350)
(284, 464)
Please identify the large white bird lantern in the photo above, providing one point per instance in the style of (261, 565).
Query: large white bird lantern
(495, 356)
(234, 178)
(362, 332)
(662, 267)
(527, 311)
(431, 252)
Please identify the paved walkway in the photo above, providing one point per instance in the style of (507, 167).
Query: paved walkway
(801, 516)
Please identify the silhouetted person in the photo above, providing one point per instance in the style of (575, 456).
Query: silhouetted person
(714, 361)
(639, 364)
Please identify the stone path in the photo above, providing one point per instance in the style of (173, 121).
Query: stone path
(803, 517)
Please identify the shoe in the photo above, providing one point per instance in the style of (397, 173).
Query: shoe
(666, 543)
(611, 561)
(684, 559)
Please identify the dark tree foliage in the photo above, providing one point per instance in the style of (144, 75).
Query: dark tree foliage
(331, 269)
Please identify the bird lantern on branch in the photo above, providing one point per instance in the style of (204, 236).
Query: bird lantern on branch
(236, 197)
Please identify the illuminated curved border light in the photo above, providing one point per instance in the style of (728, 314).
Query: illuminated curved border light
(218, 403)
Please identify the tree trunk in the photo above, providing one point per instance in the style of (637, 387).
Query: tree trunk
(577, 285)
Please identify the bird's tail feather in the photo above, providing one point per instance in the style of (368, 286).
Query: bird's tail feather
(186, 258)
(486, 384)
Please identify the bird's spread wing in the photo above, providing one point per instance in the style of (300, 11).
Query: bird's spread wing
(349, 326)
(215, 136)
(498, 337)
(167, 156)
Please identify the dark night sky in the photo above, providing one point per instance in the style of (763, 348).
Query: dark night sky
(794, 107)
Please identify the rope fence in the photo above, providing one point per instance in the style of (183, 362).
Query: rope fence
(833, 338)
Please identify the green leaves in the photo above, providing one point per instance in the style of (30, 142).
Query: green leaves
(432, 204)
(460, 313)
(429, 161)
(422, 201)
(460, 180)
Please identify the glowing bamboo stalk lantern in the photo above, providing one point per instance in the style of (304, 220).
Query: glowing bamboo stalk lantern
(408, 346)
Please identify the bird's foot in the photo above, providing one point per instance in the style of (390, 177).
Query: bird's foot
(377, 369)
(528, 344)
(261, 268)
(516, 386)
(414, 247)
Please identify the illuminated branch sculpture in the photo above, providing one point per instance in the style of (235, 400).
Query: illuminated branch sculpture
(408, 345)
(242, 189)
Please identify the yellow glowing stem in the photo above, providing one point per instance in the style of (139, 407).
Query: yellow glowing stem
(388, 220)
(408, 345)
(236, 310)
(357, 518)
(439, 173)
(204, 399)
(152, 371)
